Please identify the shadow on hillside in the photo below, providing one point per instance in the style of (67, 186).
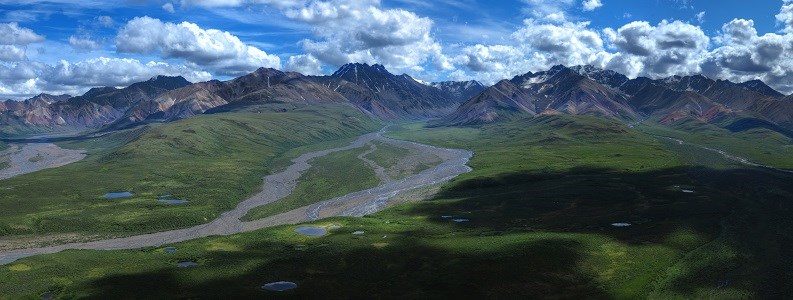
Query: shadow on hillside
(540, 269)
(745, 212)
(749, 210)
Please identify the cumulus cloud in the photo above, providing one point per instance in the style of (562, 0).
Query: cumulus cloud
(83, 43)
(537, 45)
(25, 79)
(217, 50)
(590, 5)
(14, 41)
(744, 55)
(14, 35)
(360, 31)
(785, 15)
(666, 49)
(12, 53)
(304, 64)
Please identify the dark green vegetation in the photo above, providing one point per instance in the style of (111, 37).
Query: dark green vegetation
(391, 158)
(759, 144)
(330, 176)
(540, 202)
(215, 161)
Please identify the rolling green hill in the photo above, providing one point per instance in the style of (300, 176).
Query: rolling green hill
(214, 161)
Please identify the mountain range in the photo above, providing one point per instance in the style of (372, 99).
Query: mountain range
(370, 88)
(579, 90)
(587, 90)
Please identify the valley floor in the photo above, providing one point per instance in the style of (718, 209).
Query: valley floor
(555, 207)
(21, 159)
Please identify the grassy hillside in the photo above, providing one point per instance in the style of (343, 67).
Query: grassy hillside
(760, 145)
(214, 161)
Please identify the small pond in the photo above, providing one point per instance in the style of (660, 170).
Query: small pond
(185, 264)
(279, 286)
(312, 231)
(173, 201)
(115, 195)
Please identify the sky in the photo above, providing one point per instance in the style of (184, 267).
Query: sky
(69, 46)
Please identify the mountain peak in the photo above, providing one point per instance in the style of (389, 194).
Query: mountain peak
(98, 91)
(49, 98)
(163, 82)
(759, 86)
(557, 68)
(354, 68)
(268, 72)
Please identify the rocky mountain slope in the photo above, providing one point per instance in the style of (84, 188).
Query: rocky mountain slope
(580, 90)
(370, 88)
(558, 90)
(591, 91)
(97, 107)
(461, 91)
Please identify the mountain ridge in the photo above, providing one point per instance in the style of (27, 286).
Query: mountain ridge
(577, 90)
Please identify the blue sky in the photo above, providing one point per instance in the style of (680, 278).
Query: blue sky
(67, 46)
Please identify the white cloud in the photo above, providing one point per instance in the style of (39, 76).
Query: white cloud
(12, 53)
(105, 71)
(542, 8)
(700, 17)
(83, 43)
(168, 7)
(25, 79)
(590, 5)
(304, 64)
(237, 3)
(666, 49)
(360, 31)
(537, 45)
(217, 50)
(785, 15)
(106, 21)
(14, 35)
(744, 55)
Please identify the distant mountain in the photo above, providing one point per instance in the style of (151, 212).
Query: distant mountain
(95, 108)
(579, 90)
(262, 86)
(558, 90)
(377, 91)
(760, 87)
(461, 91)
(592, 91)
(370, 88)
(719, 98)
(498, 102)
